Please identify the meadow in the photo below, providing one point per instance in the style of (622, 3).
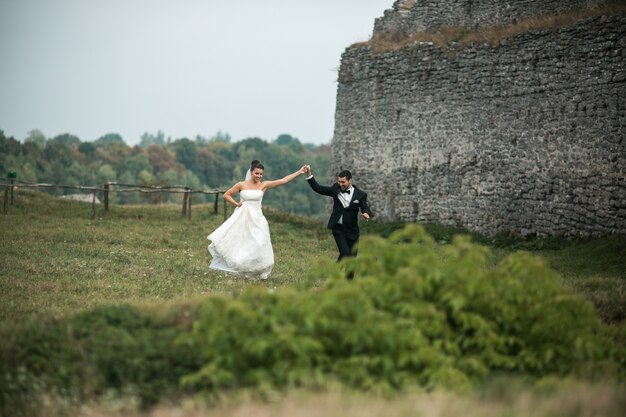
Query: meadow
(59, 263)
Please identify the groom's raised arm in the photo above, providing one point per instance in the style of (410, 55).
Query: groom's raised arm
(320, 189)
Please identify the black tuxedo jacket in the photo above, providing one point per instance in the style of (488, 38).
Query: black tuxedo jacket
(350, 213)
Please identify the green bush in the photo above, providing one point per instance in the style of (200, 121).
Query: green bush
(417, 313)
(92, 354)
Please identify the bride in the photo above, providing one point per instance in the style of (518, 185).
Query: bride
(242, 243)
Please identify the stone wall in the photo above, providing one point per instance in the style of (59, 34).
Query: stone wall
(408, 16)
(526, 137)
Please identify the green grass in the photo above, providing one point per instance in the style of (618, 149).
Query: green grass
(56, 260)
(596, 268)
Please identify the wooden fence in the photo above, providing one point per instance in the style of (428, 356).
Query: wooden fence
(111, 187)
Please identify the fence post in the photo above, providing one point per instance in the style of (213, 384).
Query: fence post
(225, 210)
(5, 209)
(217, 195)
(12, 175)
(93, 205)
(189, 194)
(185, 196)
(106, 196)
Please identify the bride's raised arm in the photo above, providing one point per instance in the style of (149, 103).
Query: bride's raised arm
(276, 183)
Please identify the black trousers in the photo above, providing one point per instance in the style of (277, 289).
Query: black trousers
(345, 244)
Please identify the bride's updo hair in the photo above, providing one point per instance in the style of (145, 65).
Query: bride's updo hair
(256, 164)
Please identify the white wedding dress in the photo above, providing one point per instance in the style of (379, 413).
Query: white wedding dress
(242, 243)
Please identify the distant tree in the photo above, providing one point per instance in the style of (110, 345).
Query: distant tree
(198, 163)
(290, 141)
(146, 178)
(213, 169)
(135, 164)
(148, 139)
(78, 174)
(109, 138)
(186, 154)
(8, 145)
(55, 172)
(221, 137)
(170, 178)
(88, 149)
(28, 172)
(32, 151)
(161, 159)
(57, 151)
(9, 163)
(36, 137)
(225, 150)
(257, 144)
(285, 139)
(113, 153)
(66, 139)
(105, 173)
(191, 180)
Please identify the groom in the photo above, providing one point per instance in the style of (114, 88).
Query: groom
(347, 201)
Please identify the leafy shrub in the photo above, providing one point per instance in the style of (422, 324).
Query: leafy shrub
(107, 349)
(417, 313)
(129, 350)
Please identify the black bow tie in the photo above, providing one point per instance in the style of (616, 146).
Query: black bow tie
(345, 191)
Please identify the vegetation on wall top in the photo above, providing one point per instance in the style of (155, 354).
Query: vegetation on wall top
(446, 37)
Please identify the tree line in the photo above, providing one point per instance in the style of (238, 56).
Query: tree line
(198, 163)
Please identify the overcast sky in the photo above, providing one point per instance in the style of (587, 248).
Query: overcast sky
(185, 67)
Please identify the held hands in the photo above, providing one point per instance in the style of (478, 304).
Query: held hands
(307, 170)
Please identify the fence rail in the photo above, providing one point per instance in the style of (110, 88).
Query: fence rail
(111, 187)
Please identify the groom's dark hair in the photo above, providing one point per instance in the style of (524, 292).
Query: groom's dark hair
(345, 174)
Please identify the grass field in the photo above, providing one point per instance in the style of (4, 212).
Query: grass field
(57, 261)
(513, 400)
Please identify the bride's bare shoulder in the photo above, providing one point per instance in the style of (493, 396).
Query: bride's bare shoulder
(246, 186)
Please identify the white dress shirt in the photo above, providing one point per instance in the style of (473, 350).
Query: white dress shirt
(345, 199)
